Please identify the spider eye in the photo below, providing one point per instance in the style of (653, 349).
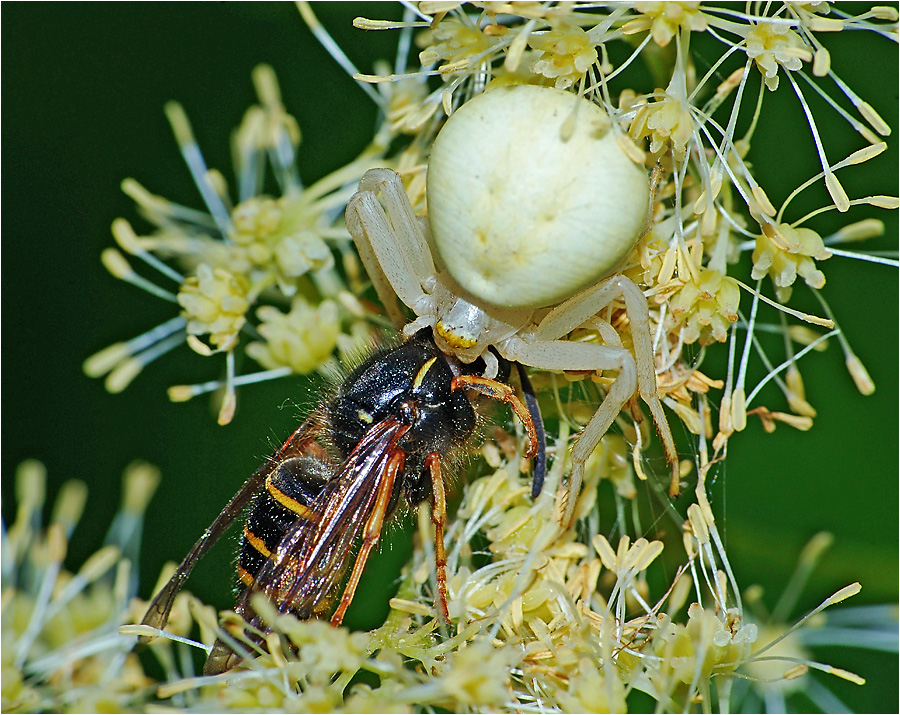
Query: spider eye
(531, 197)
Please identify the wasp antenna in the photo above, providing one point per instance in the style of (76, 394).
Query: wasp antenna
(540, 459)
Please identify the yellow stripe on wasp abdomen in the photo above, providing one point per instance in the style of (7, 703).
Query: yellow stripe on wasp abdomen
(285, 501)
(276, 488)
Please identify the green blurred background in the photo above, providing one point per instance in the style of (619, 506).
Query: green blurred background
(84, 86)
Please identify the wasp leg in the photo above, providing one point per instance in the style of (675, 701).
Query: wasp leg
(439, 519)
(371, 534)
(220, 659)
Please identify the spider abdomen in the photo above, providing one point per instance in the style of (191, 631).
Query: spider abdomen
(531, 197)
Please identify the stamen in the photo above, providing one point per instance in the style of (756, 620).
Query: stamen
(772, 373)
(102, 362)
(806, 564)
(69, 505)
(125, 371)
(284, 134)
(793, 387)
(882, 202)
(856, 157)
(858, 126)
(130, 243)
(865, 257)
(854, 365)
(605, 79)
(142, 630)
(714, 72)
(362, 23)
(218, 184)
(97, 565)
(321, 34)
(722, 161)
(31, 491)
(727, 146)
(247, 145)
(116, 264)
(190, 150)
(805, 317)
(745, 17)
(838, 195)
(864, 108)
(161, 210)
(726, 425)
(139, 484)
(229, 400)
(858, 231)
(75, 651)
(836, 597)
(182, 393)
(404, 43)
(55, 553)
(739, 406)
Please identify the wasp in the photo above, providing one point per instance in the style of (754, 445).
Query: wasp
(376, 446)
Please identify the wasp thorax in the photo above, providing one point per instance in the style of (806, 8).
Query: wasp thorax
(412, 383)
(531, 198)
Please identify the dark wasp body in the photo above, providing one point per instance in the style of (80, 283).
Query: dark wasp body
(376, 445)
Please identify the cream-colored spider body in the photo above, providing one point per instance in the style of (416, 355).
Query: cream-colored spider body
(556, 205)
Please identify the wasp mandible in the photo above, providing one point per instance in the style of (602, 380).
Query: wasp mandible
(376, 446)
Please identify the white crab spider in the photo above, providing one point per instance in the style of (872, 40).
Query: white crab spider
(532, 203)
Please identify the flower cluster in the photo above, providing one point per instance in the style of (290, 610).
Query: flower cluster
(543, 617)
(61, 645)
(258, 252)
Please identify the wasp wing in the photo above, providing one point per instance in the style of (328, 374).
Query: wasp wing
(300, 443)
(304, 573)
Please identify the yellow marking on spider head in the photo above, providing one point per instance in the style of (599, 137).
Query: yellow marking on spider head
(454, 340)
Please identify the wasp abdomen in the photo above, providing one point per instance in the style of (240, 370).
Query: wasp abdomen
(290, 489)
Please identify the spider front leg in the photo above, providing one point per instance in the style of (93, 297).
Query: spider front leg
(581, 308)
(390, 243)
(565, 355)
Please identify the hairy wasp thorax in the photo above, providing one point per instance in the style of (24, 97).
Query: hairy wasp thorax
(412, 383)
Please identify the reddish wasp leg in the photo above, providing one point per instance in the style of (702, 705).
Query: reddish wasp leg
(439, 519)
(371, 534)
(504, 393)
